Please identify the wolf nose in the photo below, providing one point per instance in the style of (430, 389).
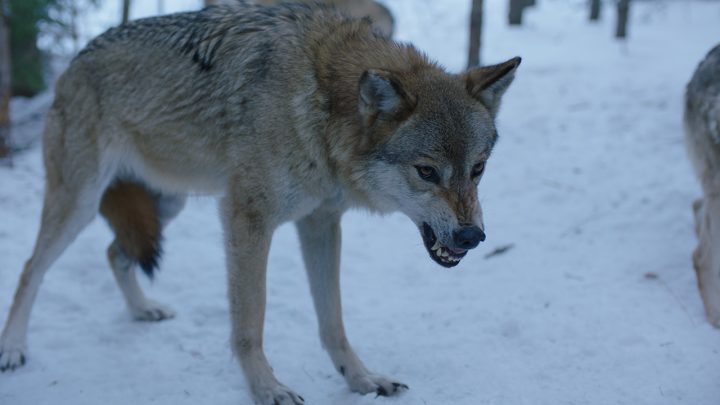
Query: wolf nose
(468, 237)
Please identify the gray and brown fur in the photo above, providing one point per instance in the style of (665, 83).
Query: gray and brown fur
(702, 137)
(287, 113)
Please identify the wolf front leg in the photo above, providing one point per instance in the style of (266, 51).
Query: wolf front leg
(320, 240)
(248, 234)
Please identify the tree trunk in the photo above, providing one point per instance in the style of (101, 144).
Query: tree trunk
(623, 11)
(5, 79)
(210, 2)
(74, 35)
(530, 3)
(515, 12)
(594, 10)
(476, 21)
(161, 7)
(125, 11)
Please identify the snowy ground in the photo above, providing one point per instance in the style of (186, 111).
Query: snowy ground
(596, 303)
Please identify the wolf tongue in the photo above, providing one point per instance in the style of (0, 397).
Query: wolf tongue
(457, 251)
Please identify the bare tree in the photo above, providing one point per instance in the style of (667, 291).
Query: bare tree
(623, 11)
(595, 10)
(515, 10)
(73, 27)
(161, 6)
(476, 21)
(125, 11)
(5, 79)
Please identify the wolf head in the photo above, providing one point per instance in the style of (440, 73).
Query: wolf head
(430, 135)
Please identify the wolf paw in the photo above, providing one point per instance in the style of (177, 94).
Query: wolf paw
(277, 395)
(11, 357)
(152, 311)
(380, 385)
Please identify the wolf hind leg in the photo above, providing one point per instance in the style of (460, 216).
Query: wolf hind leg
(68, 208)
(141, 308)
(137, 216)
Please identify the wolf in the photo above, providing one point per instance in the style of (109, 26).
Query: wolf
(381, 17)
(286, 113)
(702, 138)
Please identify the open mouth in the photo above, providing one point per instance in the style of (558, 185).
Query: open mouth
(443, 255)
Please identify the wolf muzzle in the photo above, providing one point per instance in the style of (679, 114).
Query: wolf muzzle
(468, 237)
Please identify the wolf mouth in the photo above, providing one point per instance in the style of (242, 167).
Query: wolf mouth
(443, 255)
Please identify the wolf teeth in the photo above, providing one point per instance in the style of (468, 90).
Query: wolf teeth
(443, 254)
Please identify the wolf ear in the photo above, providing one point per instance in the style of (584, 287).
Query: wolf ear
(381, 96)
(487, 84)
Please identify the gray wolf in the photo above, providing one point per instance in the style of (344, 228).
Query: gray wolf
(288, 113)
(381, 17)
(702, 138)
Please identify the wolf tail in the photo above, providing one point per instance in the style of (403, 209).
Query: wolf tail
(132, 212)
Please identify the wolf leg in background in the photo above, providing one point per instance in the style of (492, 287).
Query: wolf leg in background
(702, 136)
(381, 17)
(288, 114)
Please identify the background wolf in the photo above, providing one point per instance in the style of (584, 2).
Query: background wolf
(291, 113)
(702, 136)
(379, 14)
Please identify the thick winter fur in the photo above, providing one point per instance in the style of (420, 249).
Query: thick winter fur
(288, 113)
(702, 136)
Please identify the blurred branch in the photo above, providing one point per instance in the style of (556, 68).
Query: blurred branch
(476, 21)
(515, 10)
(63, 21)
(125, 11)
(623, 12)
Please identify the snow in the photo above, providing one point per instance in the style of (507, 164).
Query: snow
(595, 303)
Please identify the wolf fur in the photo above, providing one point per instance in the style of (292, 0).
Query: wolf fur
(702, 137)
(287, 113)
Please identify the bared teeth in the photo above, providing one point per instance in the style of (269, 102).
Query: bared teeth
(444, 254)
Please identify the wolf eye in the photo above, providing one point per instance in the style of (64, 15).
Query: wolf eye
(428, 173)
(478, 169)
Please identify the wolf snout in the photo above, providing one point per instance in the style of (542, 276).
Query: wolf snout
(468, 237)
